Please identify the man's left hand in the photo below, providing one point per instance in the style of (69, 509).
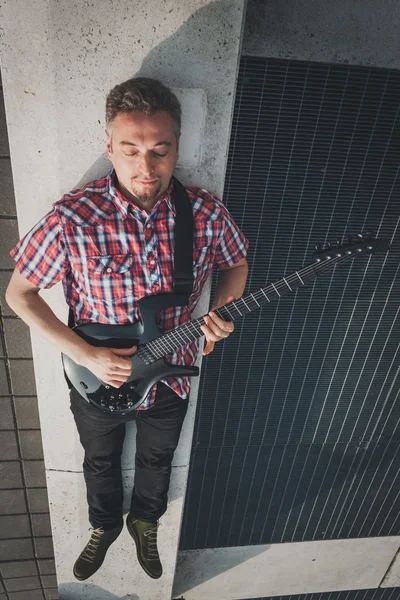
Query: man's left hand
(216, 329)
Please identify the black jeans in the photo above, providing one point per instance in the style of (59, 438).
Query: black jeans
(102, 436)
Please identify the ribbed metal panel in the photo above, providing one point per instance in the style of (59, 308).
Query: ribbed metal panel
(296, 435)
(374, 594)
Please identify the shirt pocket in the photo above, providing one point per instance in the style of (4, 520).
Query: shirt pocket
(110, 277)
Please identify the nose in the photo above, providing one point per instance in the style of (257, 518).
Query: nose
(146, 166)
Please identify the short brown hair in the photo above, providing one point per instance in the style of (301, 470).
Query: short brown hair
(145, 95)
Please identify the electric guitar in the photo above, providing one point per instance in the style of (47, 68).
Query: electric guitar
(149, 364)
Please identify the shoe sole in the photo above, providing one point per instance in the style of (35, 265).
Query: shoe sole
(133, 534)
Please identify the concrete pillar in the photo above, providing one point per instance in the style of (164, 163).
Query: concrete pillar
(59, 60)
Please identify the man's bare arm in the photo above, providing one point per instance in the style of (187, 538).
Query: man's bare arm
(231, 283)
(24, 299)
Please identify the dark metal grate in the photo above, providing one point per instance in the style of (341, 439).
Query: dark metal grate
(374, 594)
(296, 436)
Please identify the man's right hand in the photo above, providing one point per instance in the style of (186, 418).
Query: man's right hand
(109, 364)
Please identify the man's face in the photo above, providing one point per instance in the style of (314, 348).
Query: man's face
(144, 151)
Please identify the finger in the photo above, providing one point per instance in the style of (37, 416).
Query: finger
(123, 363)
(227, 326)
(210, 335)
(214, 327)
(209, 347)
(123, 367)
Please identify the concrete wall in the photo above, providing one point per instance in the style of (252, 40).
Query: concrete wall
(358, 32)
(59, 59)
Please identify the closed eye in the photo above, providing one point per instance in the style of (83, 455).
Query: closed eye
(154, 154)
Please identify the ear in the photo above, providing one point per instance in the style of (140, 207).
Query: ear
(108, 145)
(177, 144)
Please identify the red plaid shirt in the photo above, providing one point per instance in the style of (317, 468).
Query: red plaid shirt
(109, 253)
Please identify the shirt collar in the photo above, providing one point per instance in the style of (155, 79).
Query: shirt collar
(123, 205)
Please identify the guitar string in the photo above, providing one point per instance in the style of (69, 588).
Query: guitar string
(172, 339)
(174, 335)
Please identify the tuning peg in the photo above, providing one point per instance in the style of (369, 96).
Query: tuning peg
(339, 243)
(360, 237)
(318, 247)
(328, 245)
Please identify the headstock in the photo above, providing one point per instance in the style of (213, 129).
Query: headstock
(361, 244)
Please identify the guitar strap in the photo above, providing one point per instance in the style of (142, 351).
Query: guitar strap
(183, 277)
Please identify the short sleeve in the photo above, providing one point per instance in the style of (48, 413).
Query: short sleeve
(232, 244)
(40, 255)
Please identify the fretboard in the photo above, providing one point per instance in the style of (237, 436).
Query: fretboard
(185, 334)
(169, 342)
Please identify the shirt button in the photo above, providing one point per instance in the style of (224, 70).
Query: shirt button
(152, 262)
(109, 270)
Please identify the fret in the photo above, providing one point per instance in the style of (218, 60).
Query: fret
(276, 290)
(182, 331)
(255, 300)
(228, 311)
(300, 278)
(193, 324)
(287, 284)
(153, 350)
(262, 291)
(245, 303)
(234, 306)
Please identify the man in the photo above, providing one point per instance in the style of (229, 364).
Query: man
(111, 243)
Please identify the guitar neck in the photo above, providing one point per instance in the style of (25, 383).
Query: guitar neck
(169, 342)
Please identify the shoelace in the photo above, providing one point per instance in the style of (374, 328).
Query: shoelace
(89, 553)
(152, 543)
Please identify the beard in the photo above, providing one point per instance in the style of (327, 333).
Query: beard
(145, 194)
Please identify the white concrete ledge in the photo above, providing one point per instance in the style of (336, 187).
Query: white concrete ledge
(282, 569)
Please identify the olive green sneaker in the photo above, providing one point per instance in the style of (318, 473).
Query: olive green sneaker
(93, 554)
(145, 536)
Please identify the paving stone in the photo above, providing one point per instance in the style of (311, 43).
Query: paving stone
(51, 594)
(17, 336)
(22, 583)
(4, 148)
(22, 377)
(12, 502)
(31, 444)
(10, 475)
(14, 526)
(9, 237)
(27, 413)
(44, 547)
(27, 595)
(21, 568)
(7, 198)
(16, 549)
(37, 499)
(8, 445)
(47, 567)
(41, 524)
(35, 475)
(49, 581)
(6, 414)
(5, 277)
(4, 387)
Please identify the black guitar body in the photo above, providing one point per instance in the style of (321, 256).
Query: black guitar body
(146, 370)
